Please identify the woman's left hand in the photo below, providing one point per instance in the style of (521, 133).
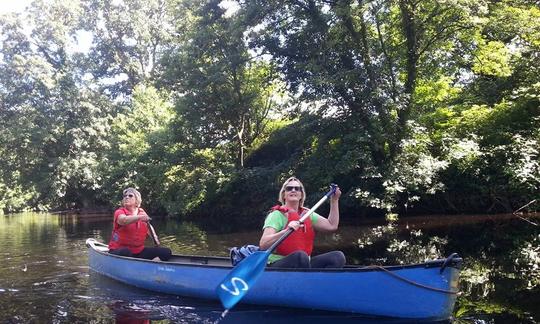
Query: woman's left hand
(337, 194)
(144, 217)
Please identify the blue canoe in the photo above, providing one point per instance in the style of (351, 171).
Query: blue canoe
(420, 291)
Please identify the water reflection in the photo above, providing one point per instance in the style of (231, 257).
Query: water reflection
(129, 303)
(44, 275)
(500, 279)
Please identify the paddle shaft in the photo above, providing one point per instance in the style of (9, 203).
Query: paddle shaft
(153, 234)
(301, 220)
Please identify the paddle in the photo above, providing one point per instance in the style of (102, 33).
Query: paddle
(238, 282)
(153, 234)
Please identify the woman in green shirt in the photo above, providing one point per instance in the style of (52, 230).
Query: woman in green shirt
(295, 251)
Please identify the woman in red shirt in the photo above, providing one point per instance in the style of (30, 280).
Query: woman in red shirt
(130, 229)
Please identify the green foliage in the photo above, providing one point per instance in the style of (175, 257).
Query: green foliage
(492, 59)
(194, 179)
(54, 131)
(224, 95)
(128, 39)
(492, 152)
(429, 106)
(14, 197)
(416, 171)
(138, 138)
(433, 94)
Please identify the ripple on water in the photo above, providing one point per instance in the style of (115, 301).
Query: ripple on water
(40, 283)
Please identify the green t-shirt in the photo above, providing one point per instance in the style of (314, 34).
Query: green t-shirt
(277, 221)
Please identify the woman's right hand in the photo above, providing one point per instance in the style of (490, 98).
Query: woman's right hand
(295, 225)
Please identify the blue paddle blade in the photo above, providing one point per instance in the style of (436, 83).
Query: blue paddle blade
(238, 282)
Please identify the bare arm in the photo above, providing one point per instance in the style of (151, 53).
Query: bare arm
(271, 235)
(124, 219)
(331, 223)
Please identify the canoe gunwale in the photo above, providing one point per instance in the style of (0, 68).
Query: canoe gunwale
(202, 261)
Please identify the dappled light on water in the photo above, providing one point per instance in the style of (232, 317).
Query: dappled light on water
(45, 275)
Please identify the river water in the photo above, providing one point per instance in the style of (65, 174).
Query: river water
(44, 274)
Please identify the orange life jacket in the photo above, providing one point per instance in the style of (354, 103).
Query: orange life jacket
(131, 236)
(301, 239)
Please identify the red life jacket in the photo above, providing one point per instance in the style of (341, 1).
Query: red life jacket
(131, 236)
(301, 239)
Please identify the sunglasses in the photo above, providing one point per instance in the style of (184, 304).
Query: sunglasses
(129, 195)
(291, 188)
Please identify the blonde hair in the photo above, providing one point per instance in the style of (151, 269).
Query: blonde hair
(281, 197)
(136, 193)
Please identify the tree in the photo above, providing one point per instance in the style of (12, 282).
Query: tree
(364, 59)
(138, 153)
(129, 38)
(224, 94)
(53, 121)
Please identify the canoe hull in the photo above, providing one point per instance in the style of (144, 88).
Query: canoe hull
(394, 292)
